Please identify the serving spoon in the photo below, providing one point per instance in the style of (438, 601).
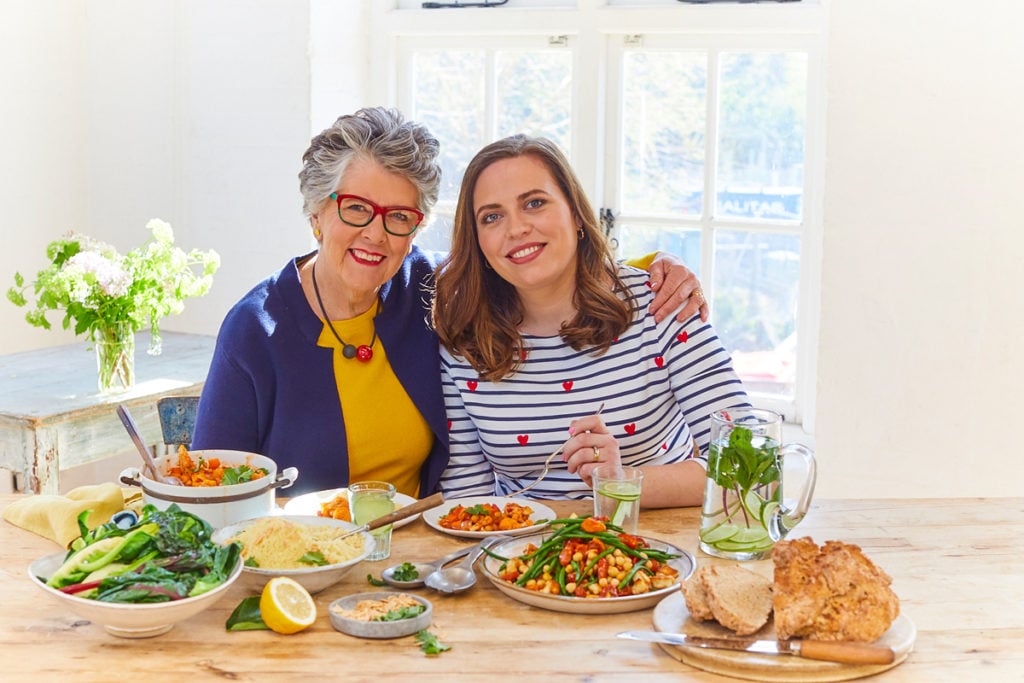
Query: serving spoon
(461, 577)
(423, 569)
(147, 457)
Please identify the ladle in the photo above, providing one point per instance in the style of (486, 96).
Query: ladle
(147, 457)
(423, 569)
(460, 577)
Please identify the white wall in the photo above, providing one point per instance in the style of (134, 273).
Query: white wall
(920, 361)
(42, 151)
(114, 111)
(117, 111)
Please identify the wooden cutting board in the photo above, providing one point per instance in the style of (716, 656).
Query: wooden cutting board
(671, 616)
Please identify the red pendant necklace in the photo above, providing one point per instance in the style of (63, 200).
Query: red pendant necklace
(365, 352)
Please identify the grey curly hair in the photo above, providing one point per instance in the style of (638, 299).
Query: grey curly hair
(376, 133)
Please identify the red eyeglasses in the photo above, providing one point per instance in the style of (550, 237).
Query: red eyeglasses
(359, 212)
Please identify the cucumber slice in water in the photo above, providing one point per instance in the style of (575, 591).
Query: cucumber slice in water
(719, 533)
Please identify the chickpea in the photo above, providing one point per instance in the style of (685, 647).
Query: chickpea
(570, 587)
(577, 556)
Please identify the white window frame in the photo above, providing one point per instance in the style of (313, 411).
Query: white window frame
(592, 28)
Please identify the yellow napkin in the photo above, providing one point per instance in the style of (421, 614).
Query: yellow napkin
(56, 517)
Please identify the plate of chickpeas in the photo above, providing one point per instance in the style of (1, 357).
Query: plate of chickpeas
(586, 566)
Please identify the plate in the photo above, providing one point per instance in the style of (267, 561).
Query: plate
(684, 564)
(671, 616)
(378, 629)
(309, 504)
(542, 513)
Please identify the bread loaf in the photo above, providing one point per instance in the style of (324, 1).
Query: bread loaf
(830, 593)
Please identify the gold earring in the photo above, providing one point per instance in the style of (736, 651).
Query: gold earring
(316, 232)
(580, 234)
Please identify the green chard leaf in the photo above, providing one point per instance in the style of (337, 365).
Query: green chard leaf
(247, 616)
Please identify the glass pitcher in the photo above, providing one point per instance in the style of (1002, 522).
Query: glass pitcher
(747, 506)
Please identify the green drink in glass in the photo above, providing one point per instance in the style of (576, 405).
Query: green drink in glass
(370, 500)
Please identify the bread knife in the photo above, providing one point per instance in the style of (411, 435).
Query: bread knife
(825, 650)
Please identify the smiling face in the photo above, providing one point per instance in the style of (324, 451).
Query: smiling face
(525, 226)
(353, 262)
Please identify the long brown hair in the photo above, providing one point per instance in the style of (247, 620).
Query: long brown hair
(477, 313)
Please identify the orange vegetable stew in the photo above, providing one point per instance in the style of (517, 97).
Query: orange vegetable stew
(211, 471)
(487, 517)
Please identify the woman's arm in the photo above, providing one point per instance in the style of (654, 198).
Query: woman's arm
(468, 472)
(674, 286)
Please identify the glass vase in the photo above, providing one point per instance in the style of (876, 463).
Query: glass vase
(115, 358)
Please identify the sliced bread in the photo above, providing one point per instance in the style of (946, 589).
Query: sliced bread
(737, 598)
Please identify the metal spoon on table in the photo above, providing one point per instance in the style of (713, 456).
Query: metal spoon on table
(422, 569)
(147, 457)
(461, 577)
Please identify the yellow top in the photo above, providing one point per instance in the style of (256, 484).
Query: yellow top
(388, 438)
(643, 262)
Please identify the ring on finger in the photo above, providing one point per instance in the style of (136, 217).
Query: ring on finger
(699, 294)
(597, 453)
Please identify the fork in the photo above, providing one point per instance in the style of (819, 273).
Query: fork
(547, 463)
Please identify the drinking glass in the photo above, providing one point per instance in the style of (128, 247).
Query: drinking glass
(617, 495)
(746, 503)
(370, 500)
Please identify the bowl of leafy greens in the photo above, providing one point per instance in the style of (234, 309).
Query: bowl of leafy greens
(139, 581)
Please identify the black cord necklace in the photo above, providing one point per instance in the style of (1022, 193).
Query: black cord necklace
(364, 353)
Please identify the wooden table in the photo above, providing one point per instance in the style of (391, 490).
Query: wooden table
(52, 417)
(956, 566)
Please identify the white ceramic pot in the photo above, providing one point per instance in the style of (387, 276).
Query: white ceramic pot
(218, 505)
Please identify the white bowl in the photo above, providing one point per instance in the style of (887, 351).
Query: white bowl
(313, 579)
(127, 620)
(378, 629)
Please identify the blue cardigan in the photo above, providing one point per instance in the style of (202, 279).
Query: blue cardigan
(271, 389)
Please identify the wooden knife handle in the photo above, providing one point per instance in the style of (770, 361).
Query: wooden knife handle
(407, 511)
(846, 652)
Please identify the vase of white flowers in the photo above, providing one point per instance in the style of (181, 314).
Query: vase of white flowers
(109, 297)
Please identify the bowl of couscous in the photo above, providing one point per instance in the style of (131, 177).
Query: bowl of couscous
(307, 549)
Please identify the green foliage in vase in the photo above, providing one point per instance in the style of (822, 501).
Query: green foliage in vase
(99, 289)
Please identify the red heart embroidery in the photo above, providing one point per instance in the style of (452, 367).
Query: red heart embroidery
(522, 354)
(682, 336)
(523, 438)
(567, 385)
(648, 284)
(664, 446)
(659, 361)
(631, 427)
(472, 384)
(449, 425)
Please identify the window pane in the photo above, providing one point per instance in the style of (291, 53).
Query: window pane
(663, 117)
(756, 288)
(535, 94)
(637, 239)
(761, 135)
(449, 99)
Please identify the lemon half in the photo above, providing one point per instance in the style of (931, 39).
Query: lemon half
(286, 607)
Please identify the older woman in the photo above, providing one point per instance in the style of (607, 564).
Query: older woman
(330, 364)
(540, 327)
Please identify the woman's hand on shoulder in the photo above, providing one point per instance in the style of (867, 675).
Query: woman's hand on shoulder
(675, 288)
